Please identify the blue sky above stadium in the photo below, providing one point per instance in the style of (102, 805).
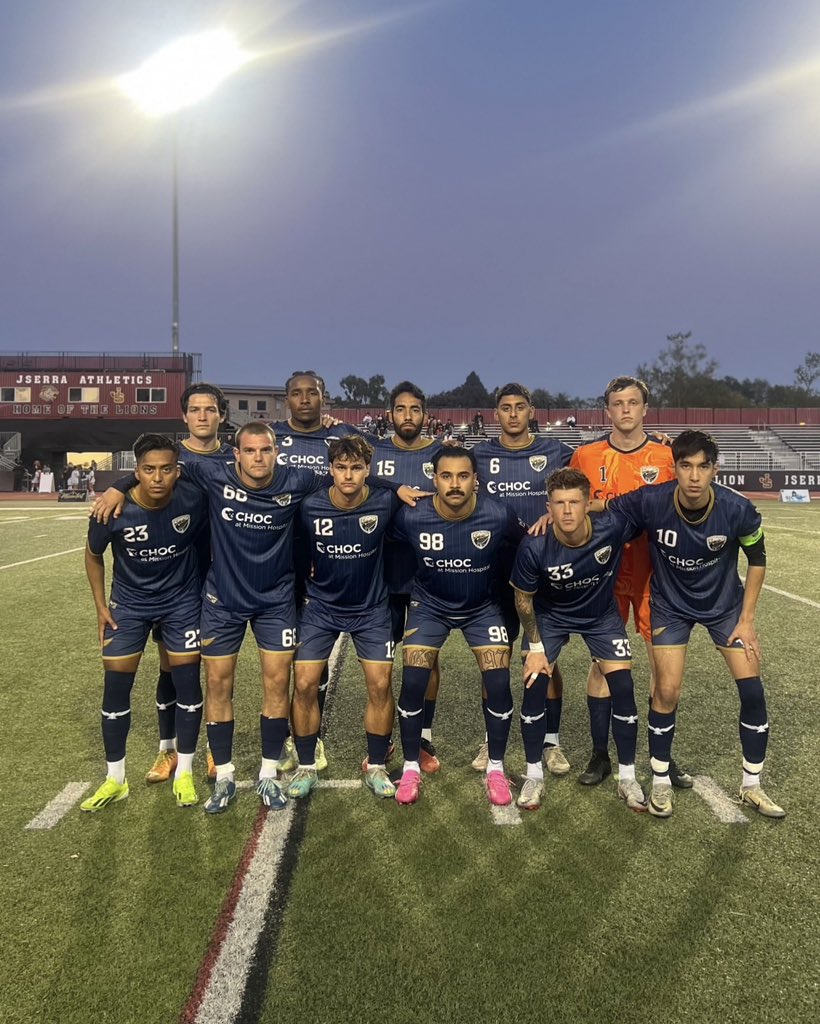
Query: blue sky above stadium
(531, 189)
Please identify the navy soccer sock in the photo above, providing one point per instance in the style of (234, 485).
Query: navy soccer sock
(306, 747)
(166, 706)
(498, 712)
(429, 713)
(377, 747)
(661, 733)
(600, 712)
(624, 714)
(533, 719)
(553, 707)
(274, 732)
(754, 723)
(116, 712)
(189, 706)
(410, 708)
(220, 740)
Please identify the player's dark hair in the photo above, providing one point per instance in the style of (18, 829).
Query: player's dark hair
(320, 381)
(253, 427)
(352, 447)
(205, 389)
(507, 390)
(690, 442)
(567, 479)
(454, 452)
(155, 443)
(409, 388)
(622, 383)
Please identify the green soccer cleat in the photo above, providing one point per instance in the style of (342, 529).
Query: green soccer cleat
(756, 797)
(303, 781)
(109, 793)
(289, 761)
(185, 791)
(321, 757)
(378, 782)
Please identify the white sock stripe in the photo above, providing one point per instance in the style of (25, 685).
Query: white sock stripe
(164, 707)
(629, 719)
(503, 715)
(111, 715)
(408, 714)
(658, 731)
(529, 719)
(190, 707)
(755, 728)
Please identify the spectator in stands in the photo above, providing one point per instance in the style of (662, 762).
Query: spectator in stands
(18, 472)
(36, 473)
(91, 479)
(533, 427)
(449, 429)
(73, 482)
(478, 425)
(367, 423)
(571, 421)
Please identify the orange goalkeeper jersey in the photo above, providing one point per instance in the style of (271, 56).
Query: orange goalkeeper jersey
(611, 473)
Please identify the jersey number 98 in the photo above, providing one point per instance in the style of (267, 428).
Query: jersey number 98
(431, 541)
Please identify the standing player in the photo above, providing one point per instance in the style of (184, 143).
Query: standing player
(620, 462)
(346, 593)
(155, 579)
(406, 457)
(564, 583)
(457, 539)
(204, 409)
(514, 467)
(696, 528)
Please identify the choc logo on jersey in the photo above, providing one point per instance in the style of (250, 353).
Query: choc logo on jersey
(715, 543)
(649, 474)
(538, 463)
(368, 523)
(181, 523)
(602, 555)
(480, 538)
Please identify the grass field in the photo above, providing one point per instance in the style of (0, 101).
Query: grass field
(581, 912)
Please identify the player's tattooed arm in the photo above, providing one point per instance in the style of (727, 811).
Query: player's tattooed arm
(420, 657)
(535, 664)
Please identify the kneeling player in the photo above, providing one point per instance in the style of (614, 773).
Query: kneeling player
(156, 580)
(457, 539)
(565, 583)
(346, 593)
(695, 529)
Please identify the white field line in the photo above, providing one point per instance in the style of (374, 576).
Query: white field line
(40, 558)
(792, 529)
(15, 519)
(792, 597)
(509, 815)
(59, 806)
(226, 987)
(721, 804)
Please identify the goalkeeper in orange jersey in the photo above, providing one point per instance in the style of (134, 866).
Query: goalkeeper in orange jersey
(622, 461)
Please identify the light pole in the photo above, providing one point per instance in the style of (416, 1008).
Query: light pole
(178, 76)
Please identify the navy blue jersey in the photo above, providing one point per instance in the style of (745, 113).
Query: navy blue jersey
(154, 549)
(457, 559)
(346, 549)
(574, 587)
(251, 534)
(519, 475)
(413, 467)
(694, 565)
(221, 453)
(306, 450)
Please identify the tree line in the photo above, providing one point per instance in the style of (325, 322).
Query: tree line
(682, 374)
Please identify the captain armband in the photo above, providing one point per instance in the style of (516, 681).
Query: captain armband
(754, 548)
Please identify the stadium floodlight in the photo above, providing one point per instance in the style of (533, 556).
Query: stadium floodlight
(183, 72)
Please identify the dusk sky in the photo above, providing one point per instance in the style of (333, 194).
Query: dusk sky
(535, 190)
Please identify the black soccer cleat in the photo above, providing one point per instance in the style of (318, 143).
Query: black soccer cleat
(597, 770)
(679, 777)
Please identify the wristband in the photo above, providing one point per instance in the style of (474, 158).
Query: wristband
(535, 648)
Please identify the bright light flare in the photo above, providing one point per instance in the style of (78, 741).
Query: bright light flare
(184, 72)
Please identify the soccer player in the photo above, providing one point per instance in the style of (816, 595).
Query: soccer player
(155, 579)
(625, 459)
(204, 409)
(695, 529)
(346, 592)
(407, 456)
(457, 539)
(564, 583)
(514, 467)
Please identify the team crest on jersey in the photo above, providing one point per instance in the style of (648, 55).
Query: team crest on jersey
(368, 523)
(602, 555)
(715, 543)
(480, 538)
(427, 469)
(181, 523)
(538, 463)
(649, 474)
(282, 499)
